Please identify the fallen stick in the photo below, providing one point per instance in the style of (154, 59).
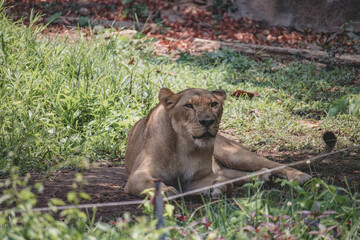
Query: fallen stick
(268, 51)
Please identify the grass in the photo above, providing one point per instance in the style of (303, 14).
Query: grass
(66, 105)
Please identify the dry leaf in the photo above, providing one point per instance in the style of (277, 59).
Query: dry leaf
(242, 93)
(131, 61)
(169, 73)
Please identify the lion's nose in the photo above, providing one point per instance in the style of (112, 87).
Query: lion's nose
(207, 123)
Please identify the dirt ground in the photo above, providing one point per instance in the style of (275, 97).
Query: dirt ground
(106, 183)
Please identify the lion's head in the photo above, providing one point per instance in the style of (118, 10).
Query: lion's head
(195, 114)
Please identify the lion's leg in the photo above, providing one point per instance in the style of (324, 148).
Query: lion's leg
(232, 174)
(141, 180)
(232, 155)
(210, 180)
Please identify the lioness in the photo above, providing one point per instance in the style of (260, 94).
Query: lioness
(178, 143)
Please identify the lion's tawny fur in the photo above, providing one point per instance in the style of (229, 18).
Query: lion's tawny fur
(178, 143)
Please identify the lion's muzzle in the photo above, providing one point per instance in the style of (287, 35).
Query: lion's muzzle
(205, 135)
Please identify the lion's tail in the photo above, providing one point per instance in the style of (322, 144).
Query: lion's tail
(330, 141)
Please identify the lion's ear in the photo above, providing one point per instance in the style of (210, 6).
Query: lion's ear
(219, 94)
(168, 98)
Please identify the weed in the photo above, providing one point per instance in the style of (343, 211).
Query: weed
(344, 38)
(219, 8)
(135, 9)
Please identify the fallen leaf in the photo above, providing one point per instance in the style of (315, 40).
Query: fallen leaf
(242, 93)
(131, 61)
(335, 89)
(309, 123)
(249, 228)
(191, 23)
(181, 218)
(205, 222)
(255, 112)
(169, 73)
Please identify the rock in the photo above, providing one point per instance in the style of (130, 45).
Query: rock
(172, 16)
(84, 11)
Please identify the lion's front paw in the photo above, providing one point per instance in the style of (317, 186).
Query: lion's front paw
(297, 176)
(170, 191)
(216, 192)
(266, 176)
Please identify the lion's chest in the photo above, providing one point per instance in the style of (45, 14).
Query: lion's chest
(187, 169)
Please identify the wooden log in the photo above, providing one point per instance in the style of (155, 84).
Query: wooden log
(268, 51)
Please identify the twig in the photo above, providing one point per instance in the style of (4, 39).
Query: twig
(242, 209)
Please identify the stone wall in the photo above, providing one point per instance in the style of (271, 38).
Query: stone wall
(318, 15)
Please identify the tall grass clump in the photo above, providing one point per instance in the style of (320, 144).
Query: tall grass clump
(69, 103)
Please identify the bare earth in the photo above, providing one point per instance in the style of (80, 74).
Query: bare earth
(106, 183)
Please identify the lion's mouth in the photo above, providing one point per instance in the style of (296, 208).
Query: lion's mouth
(205, 135)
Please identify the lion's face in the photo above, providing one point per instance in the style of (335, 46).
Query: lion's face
(195, 114)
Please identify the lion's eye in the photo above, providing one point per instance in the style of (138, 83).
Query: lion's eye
(214, 104)
(189, 106)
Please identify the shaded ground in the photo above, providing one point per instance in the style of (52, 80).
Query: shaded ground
(106, 183)
(183, 20)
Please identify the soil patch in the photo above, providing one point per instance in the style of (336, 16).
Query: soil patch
(106, 183)
(183, 20)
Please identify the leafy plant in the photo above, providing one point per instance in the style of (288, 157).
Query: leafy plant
(349, 104)
(83, 21)
(345, 37)
(55, 18)
(135, 9)
(220, 7)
